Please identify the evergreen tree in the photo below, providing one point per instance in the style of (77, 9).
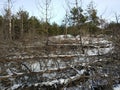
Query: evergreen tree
(92, 18)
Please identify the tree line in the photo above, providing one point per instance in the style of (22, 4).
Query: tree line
(23, 25)
(76, 21)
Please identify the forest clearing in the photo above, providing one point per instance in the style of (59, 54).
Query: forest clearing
(83, 53)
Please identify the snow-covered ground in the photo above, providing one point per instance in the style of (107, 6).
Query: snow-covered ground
(54, 82)
(117, 87)
(71, 38)
(52, 62)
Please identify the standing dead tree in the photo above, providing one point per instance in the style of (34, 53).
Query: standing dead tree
(44, 6)
(7, 25)
(9, 19)
(116, 37)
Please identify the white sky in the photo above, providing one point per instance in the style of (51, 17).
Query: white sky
(106, 8)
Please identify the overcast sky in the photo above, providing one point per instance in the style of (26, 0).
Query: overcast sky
(106, 8)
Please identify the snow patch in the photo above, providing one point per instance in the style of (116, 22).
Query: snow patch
(117, 87)
(15, 86)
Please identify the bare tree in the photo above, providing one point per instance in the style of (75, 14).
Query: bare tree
(44, 6)
(9, 19)
(116, 37)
